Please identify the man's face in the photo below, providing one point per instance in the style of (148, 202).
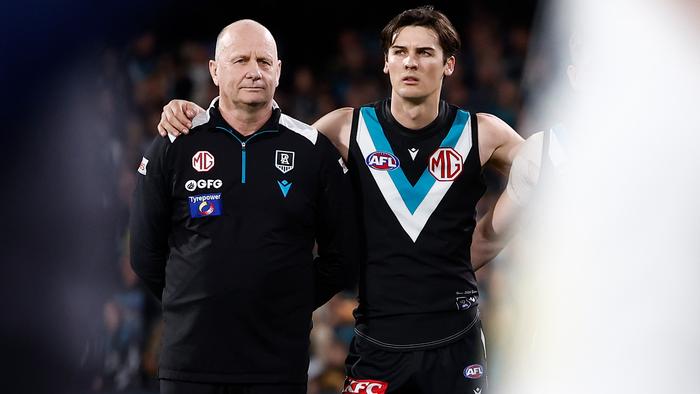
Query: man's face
(415, 63)
(247, 70)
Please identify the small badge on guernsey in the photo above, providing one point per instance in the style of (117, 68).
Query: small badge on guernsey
(474, 371)
(465, 299)
(205, 205)
(364, 386)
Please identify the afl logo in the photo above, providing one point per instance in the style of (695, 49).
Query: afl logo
(473, 371)
(445, 164)
(206, 208)
(382, 161)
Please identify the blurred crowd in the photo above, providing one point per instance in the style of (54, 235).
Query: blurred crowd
(137, 81)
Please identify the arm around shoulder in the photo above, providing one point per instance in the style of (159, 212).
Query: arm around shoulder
(336, 126)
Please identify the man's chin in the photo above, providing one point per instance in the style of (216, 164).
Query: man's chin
(411, 94)
(259, 101)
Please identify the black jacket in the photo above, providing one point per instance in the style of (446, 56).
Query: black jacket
(222, 231)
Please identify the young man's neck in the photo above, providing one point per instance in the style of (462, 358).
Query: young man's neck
(245, 119)
(415, 114)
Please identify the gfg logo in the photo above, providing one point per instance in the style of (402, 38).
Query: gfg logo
(382, 161)
(445, 164)
(193, 185)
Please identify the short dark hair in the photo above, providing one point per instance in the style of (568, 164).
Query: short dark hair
(428, 17)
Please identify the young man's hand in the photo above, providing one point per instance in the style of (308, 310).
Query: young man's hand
(177, 116)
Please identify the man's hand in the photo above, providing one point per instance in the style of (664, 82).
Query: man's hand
(177, 117)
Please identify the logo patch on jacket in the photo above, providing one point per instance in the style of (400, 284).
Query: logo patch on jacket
(284, 160)
(203, 161)
(205, 205)
(383, 161)
(143, 165)
(284, 186)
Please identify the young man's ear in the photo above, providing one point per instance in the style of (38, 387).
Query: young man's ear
(450, 66)
(386, 65)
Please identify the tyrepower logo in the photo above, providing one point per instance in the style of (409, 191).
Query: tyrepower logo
(365, 386)
(445, 164)
(473, 371)
(203, 161)
(382, 161)
(205, 205)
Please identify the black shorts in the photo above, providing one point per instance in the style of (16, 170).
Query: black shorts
(458, 367)
(181, 387)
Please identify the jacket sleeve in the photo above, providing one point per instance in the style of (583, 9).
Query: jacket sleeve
(335, 266)
(150, 218)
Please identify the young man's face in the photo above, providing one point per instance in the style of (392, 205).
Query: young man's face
(415, 63)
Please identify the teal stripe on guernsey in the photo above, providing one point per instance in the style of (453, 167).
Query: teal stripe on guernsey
(412, 195)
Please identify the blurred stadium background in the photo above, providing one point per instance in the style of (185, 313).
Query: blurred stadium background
(84, 85)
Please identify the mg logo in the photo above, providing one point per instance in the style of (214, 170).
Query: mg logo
(203, 161)
(445, 164)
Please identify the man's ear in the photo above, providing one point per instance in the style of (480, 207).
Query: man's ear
(279, 73)
(450, 66)
(213, 71)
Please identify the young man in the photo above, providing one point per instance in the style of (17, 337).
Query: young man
(223, 226)
(416, 165)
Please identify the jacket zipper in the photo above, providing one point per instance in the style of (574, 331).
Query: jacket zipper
(243, 148)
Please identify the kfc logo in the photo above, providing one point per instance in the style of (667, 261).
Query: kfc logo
(365, 386)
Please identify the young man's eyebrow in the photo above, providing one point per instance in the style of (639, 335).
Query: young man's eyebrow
(419, 48)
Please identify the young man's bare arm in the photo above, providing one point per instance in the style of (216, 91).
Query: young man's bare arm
(498, 146)
(336, 126)
(498, 143)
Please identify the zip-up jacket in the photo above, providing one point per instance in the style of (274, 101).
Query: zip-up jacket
(222, 231)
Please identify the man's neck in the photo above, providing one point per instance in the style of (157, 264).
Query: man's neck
(245, 119)
(414, 114)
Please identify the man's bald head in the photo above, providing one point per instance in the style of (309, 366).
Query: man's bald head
(244, 30)
(246, 68)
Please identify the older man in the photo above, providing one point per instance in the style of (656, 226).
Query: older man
(223, 226)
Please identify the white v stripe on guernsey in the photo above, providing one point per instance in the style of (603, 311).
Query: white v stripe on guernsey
(411, 204)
